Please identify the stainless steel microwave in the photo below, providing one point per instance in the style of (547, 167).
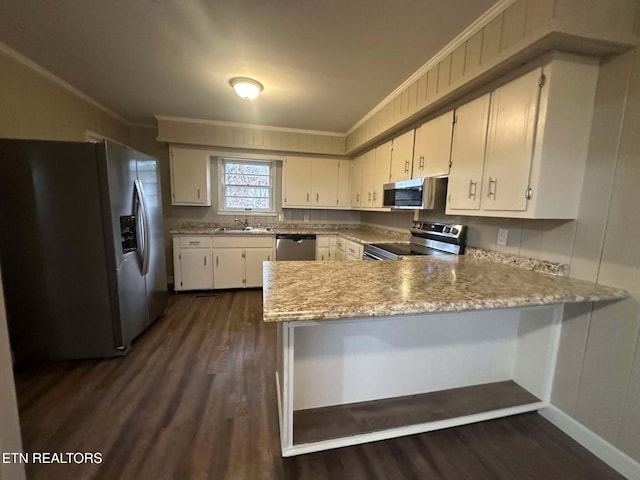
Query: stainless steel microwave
(416, 194)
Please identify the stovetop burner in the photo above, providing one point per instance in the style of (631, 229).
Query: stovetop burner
(426, 239)
(402, 249)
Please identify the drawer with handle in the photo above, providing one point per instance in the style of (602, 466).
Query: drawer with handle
(195, 242)
(353, 250)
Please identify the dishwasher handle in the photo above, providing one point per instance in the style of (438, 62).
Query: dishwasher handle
(295, 236)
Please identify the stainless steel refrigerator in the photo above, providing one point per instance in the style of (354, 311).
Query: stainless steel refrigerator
(81, 247)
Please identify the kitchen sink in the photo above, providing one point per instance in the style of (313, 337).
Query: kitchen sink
(241, 230)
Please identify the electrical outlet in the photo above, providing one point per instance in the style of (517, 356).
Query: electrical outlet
(503, 236)
(306, 218)
(280, 217)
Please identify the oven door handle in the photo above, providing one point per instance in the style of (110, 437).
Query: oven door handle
(370, 256)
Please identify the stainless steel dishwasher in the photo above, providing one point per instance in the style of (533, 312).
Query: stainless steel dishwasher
(295, 247)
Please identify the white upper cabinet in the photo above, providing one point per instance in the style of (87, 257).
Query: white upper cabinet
(296, 182)
(467, 155)
(432, 151)
(368, 178)
(315, 182)
(356, 182)
(382, 172)
(344, 183)
(374, 167)
(190, 176)
(402, 157)
(536, 144)
(512, 128)
(324, 182)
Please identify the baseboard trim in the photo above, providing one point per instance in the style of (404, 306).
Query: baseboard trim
(605, 451)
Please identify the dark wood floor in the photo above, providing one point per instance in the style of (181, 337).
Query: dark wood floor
(195, 399)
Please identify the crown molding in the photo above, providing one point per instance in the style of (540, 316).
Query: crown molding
(465, 35)
(21, 59)
(254, 126)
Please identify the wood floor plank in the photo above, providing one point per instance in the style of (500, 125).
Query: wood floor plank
(195, 399)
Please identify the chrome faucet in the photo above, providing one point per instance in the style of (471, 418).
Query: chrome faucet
(244, 224)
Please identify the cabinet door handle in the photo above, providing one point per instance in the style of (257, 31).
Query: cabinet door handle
(374, 196)
(268, 258)
(205, 260)
(406, 166)
(216, 260)
(492, 191)
(317, 197)
(357, 197)
(307, 196)
(421, 162)
(198, 194)
(369, 196)
(472, 188)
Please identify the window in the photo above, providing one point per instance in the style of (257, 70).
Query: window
(246, 186)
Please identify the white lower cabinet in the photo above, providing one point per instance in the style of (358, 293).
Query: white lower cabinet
(192, 263)
(228, 268)
(322, 254)
(332, 247)
(206, 262)
(238, 260)
(340, 249)
(326, 247)
(347, 249)
(353, 250)
(253, 258)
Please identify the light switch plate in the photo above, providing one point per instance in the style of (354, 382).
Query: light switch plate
(503, 236)
(306, 218)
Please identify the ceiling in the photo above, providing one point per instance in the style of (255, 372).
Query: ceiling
(324, 64)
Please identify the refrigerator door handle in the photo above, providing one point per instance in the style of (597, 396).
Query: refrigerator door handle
(146, 251)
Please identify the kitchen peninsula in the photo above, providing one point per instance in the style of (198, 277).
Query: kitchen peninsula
(375, 350)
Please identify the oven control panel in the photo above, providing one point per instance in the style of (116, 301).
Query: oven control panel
(442, 230)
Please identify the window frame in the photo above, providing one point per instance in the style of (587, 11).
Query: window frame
(222, 187)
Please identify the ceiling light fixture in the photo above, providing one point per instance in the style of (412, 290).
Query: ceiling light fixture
(246, 88)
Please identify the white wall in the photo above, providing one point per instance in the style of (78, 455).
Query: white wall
(10, 440)
(34, 106)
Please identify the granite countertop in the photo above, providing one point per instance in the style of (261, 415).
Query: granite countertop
(332, 290)
(360, 235)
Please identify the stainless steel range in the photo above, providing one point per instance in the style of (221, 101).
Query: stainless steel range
(426, 239)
